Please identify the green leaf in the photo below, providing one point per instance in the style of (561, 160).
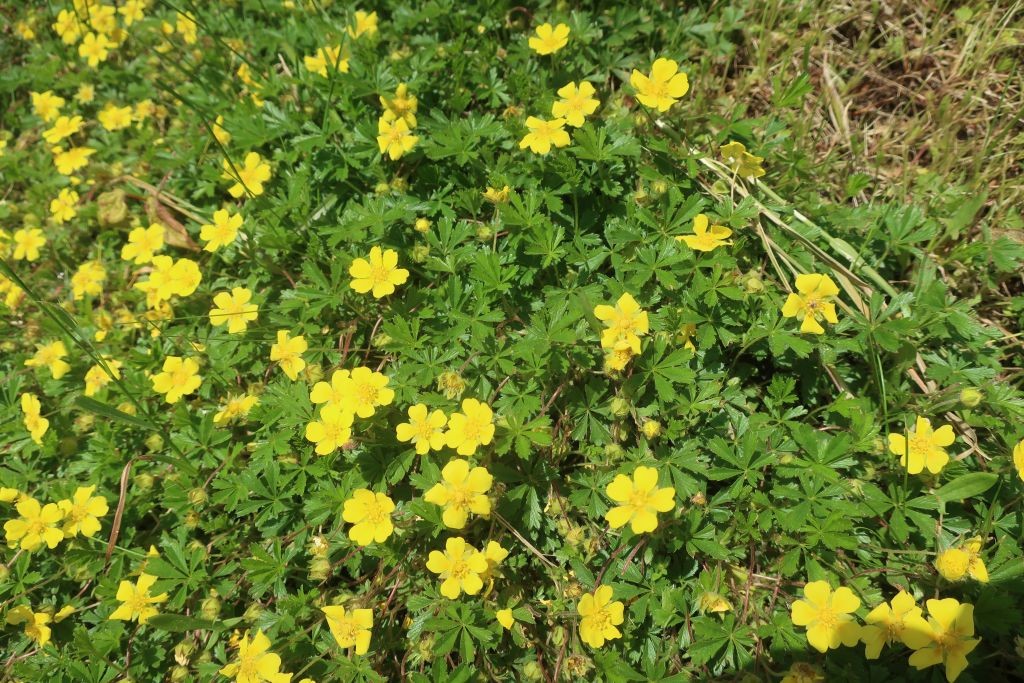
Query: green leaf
(179, 622)
(966, 486)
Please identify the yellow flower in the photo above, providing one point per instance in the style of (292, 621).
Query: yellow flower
(50, 356)
(459, 567)
(187, 27)
(364, 391)
(379, 275)
(249, 177)
(46, 105)
(88, 280)
(576, 104)
(143, 243)
(811, 301)
(923, 448)
(287, 352)
(505, 618)
(600, 615)
(549, 40)
(67, 27)
(543, 134)
(713, 602)
(33, 420)
(886, 624)
(172, 278)
(70, 160)
(180, 377)
(100, 375)
(333, 393)
(945, 638)
(369, 514)
(236, 409)
(37, 525)
(639, 500)
(422, 225)
(663, 87)
(401, 105)
(95, 48)
(704, 240)
(364, 24)
(136, 602)
(618, 358)
(496, 196)
(827, 616)
(471, 428)
(234, 310)
(9, 495)
(255, 664)
(132, 11)
(63, 127)
(350, 629)
(64, 612)
(953, 564)
(221, 133)
(1018, 459)
(394, 137)
(331, 431)
(63, 207)
(461, 491)
(113, 117)
(625, 322)
(426, 432)
(802, 672)
(86, 93)
(743, 163)
(27, 243)
(82, 511)
(35, 623)
(495, 555)
(326, 57)
(222, 231)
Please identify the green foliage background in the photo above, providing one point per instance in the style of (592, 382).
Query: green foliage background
(774, 441)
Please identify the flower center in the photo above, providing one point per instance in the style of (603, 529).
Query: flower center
(459, 497)
(375, 514)
(37, 526)
(459, 569)
(424, 431)
(472, 429)
(828, 618)
(366, 392)
(601, 620)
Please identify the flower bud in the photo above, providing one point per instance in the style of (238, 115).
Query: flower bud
(197, 496)
(253, 614)
(532, 671)
(484, 233)
(971, 397)
(620, 407)
(319, 568)
(422, 225)
(154, 442)
(111, 207)
(143, 481)
(420, 253)
(651, 429)
(210, 607)
(192, 520)
(752, 284)
(179, 674)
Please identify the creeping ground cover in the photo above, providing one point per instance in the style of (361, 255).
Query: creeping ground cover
(446, 341)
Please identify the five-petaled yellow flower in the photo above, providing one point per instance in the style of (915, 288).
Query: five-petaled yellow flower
(945, 638)
(812, 301)
(887, 623)
(33, 419)
(100, 375)
(425, 431)
(143, 243)
(365, 390)
(331, 431)
(828, 616)
(626, 321)
(704, 239)
(222, 232)
(599, 617)
(326, 58)
(379, 274)
(50, 356)
(401, 105)
(576, 103)
(82, 512)
(459, 567)
(234, 310)
(543, 134)
(249, 176)
(394, 137)
(35, 623)
(136, 602)
(639, 500)
(255, 664)
(38, 525)
(63, 207)
(365, 23)
(236, 409)
(180, 377)
(333, 393)
(369, 514)
(548, 39)
(350, 629)
(287, 353)
(461, 491)
(923, 448)
(27, 243)
(471, 428)
(663, 87)
(743, 163)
